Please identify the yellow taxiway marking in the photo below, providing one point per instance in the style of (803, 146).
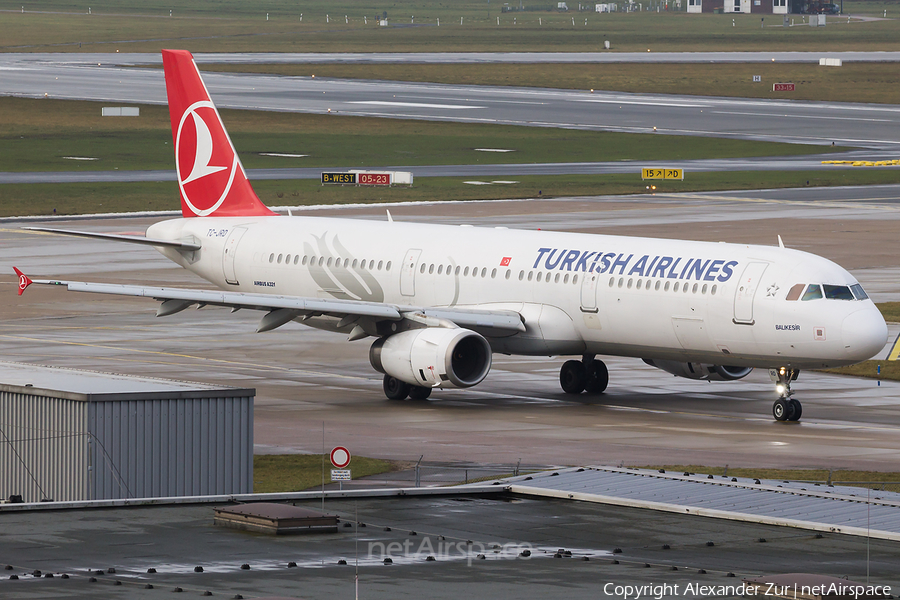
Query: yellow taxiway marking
(846, 204)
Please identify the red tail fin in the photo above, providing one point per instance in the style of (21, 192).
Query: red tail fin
(210, 174)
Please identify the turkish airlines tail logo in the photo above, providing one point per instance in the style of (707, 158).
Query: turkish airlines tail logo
(210, 175)
(24, 280)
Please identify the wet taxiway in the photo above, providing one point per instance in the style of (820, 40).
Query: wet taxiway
(305, 377)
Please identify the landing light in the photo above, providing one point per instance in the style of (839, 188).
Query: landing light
(780, 388)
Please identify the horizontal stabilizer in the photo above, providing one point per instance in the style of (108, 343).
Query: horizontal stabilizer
(131, 239)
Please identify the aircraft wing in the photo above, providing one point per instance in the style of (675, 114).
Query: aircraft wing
(282, 309)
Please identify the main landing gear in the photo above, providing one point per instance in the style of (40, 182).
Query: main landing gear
(395, 389)
(585, 375)
(786, 408)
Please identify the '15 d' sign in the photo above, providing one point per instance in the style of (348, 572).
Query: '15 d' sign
(665, 173)
(782, 87)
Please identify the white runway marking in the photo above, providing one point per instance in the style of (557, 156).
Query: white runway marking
(752, 114)
(659, 102)
(413, 104)
(282, 155)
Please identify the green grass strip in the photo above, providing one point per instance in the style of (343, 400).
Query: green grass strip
(272, 26)
(297, 472)
(890, 370)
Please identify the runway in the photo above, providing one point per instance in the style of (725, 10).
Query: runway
(822, 123)
(306, 377)
(244, 58)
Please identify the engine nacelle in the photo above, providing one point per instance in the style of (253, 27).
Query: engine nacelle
(433, 356)
(700, 371)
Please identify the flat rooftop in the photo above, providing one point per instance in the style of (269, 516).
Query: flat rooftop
(93, 386)
(656, 548)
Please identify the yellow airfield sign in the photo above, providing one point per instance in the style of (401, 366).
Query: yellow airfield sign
(662, 173)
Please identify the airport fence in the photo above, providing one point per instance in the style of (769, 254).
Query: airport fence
(432, 474)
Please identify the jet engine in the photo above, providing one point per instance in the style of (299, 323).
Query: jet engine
(433, 356)
(700, 371)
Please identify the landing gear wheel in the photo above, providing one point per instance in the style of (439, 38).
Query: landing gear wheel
(572, 377)
(780, 409)
(417, 392)
(597, 377)
(798, 410)
(785, 408)
(395, 389)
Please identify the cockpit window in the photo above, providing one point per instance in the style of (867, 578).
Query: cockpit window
(794, 293)
(858, 292)
(837, 292)
(813, 292)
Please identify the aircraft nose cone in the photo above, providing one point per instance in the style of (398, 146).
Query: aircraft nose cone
(864, 333)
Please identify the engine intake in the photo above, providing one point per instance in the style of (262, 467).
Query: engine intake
(700, 371)
(433, 356)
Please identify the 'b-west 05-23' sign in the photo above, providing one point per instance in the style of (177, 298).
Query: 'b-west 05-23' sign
(357, 178)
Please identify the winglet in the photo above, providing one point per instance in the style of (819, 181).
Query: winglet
(24, 280)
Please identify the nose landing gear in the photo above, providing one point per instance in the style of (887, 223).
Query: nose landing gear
(786, 408)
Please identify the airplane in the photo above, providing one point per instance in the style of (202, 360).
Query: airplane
(440, 300)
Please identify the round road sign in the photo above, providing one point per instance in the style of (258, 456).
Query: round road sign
(340, 457)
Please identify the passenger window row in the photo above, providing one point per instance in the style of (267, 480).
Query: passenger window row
(483, 273)
(329, 262)
(547, 277)
(660, 285)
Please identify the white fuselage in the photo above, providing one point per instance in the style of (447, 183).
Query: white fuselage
(578, 294)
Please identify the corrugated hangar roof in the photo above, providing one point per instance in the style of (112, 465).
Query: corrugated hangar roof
(846, 510)
(20, 378)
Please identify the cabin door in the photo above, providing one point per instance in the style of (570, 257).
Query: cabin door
(228, 255)
(408, 272)
(746, 292)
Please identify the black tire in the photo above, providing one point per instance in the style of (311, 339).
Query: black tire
(395, 389)
(572, 377)
(597, 378)
(781, 409)
(798, 410)
(418, 392)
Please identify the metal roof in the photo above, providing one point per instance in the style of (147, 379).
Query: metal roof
(89, 386)
(854, 511)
